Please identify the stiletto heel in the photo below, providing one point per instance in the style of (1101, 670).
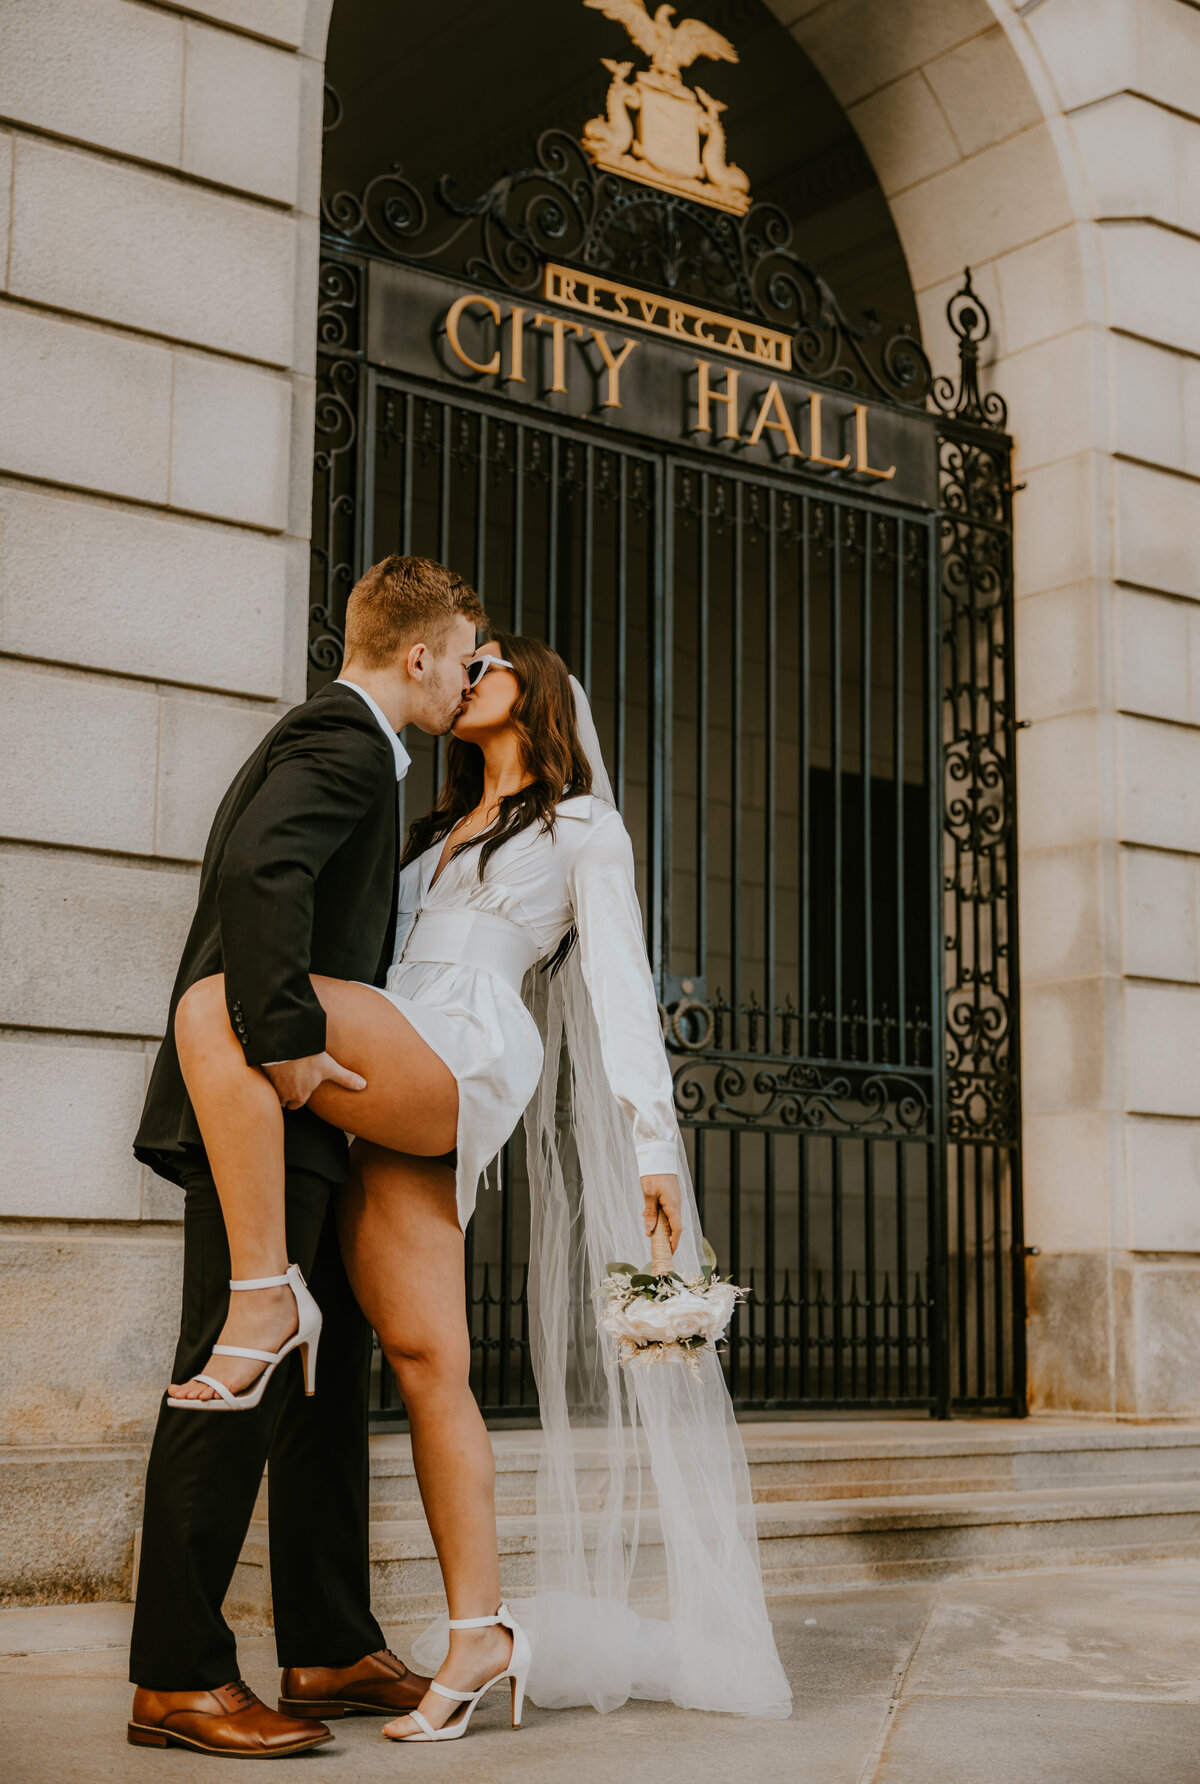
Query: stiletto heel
(517, 1672)
(304, 1339)
(308, 1358)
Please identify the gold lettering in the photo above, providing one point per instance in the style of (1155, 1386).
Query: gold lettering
(649, 307)
(558, 328)
(516, 347)
(701, 332)
(814, 438)
(567, 292)
(675, 319)
(620, 307)
(707, 395)
(861, 454)
(452, 318)
(773, 403)
(614, 362)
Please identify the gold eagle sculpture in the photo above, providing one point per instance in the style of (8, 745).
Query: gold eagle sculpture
(669, 47)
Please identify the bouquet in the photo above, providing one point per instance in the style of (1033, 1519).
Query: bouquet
(657, 1316)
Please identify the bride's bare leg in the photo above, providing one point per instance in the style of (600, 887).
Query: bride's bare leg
(240, 1118)
(404, 1255)
(411, 1101)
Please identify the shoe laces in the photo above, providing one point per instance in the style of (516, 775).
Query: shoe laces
(242, 1694)
(397, 1659)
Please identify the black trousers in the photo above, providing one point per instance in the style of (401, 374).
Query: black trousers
(206, 1468)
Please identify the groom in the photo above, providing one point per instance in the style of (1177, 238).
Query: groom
(299, 877)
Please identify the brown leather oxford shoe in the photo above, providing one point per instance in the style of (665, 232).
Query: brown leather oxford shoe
(380, 1685)
(229, 1722)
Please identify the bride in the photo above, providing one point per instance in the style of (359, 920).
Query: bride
(519, 946)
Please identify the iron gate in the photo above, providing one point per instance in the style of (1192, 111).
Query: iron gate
(805, 700)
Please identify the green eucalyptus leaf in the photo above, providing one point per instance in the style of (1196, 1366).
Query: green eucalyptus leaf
(621, 1269)
(641, 1279)
(708, 1254)
(706, 1272)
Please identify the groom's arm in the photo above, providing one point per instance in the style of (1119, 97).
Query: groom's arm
(323, 776)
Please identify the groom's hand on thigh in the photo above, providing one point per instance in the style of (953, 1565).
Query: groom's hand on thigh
(294, 1080)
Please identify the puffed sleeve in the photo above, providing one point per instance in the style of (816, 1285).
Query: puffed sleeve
(617, 973)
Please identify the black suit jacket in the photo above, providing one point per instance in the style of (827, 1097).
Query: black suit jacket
(299, 877)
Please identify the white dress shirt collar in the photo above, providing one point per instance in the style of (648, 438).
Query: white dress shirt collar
(403, 759)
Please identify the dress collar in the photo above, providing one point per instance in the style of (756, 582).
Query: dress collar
(403, 759)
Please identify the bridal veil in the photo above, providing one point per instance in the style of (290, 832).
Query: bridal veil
(646, 1572)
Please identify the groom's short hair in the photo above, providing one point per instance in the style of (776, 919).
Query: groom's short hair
(402, 601)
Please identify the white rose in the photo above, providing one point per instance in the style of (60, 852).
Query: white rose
(718, 1304)
(663, 1322)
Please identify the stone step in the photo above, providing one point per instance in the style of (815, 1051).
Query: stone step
(816, 1545)
(832, 1460)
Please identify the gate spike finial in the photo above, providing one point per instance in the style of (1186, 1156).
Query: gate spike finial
(971, 324)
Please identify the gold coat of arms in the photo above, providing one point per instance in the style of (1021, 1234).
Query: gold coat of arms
(656, 129)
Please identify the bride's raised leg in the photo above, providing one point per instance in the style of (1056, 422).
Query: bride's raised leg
(404, 1253)
(410, 1101)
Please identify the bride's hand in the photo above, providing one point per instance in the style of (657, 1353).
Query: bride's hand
(663, 1192)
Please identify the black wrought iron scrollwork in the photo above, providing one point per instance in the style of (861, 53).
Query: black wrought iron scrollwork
(979, 838)
(563, 208)
(971, 324)
(335, 510)
(797, 1094)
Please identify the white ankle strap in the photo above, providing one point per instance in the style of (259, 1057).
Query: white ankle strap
(261, 1282)
(503, 1616)
(457, 1696)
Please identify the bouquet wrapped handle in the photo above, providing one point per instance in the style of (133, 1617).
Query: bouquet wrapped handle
(660, 1246)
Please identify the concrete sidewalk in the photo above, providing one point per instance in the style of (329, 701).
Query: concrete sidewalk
(1086, 1676)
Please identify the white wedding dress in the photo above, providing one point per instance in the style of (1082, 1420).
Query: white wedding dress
(645, 1578)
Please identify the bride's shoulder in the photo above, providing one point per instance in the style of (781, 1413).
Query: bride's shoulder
(588, 812)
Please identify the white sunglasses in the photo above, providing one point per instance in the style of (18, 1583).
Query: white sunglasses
(478, 667)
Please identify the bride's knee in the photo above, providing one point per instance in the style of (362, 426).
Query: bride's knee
(428, 1372)
(200, 1008)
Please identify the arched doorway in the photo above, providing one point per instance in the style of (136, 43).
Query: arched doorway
(647, 427)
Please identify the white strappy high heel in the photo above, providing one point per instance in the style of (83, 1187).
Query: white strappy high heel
(304, 1339)
(517, 1671)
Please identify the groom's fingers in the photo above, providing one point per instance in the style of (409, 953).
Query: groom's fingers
(338, 1074)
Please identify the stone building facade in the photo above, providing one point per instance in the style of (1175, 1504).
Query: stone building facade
(159, 181)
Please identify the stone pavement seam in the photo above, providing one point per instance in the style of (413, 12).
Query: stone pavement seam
(875, 1758)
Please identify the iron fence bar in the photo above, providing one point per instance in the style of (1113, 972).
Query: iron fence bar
(364, 445)
(702, 692)
(552, 548)
(898, 754)
(736, 762)
(589, 546)
(504, 1186)
(518, 547)
(662, 718)
(771, 794)
(865, 748)
(735, 1235)
(803, 1259)
(805, 787)
(481, 471)
(622, 680)
(769, 1265)
(410, 453)
(869, 1258)
(835, 740)
(1001, 1259)
(902, 1266)
(839, 1296)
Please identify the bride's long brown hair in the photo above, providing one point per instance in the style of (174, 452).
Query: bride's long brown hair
(543, 717)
